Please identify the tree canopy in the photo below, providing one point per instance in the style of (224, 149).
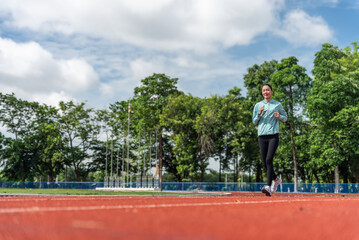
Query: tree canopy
(182, 134)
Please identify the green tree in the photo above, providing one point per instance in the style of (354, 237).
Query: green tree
(149, 100)
(19, 152)
(80, 131)
(234, 133)
(333, 90)
(36, 148)
(291, 85)
(15, 114)
(49, 139)
(346, 120)
(17, 160)
(207, 125)
(179, 119)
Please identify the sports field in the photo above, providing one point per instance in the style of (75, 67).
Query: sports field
(235, 216)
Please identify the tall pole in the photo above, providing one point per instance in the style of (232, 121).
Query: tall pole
(139, 152)
(118, 143)
(144, 164)
(123, 158)
(118, 157)
(111, 156)
(150, 179)
(128, 139)
(150, 159)
(160, 157)
(138, 175)
(106, 178)
(156, 147)
(106, 153)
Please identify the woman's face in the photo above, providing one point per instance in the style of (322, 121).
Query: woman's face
(267, 92)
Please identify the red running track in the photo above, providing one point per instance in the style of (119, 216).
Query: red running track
(238, 216)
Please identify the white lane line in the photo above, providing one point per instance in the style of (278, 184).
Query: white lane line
(17, 198)
(47, 198)
(149, 206)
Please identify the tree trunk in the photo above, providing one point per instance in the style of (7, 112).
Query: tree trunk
(294, 152)
(203, 170)
(220, 169)
(316, 177)
(201, 165)
(336, 171)
(179, 177)
(51, 176)
(303, 174)
(336, 178)
(236, 169)
(77, 172)
(85, 175)
(292, 135)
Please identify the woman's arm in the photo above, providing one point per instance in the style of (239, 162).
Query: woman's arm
(282, 113)
(256, 115)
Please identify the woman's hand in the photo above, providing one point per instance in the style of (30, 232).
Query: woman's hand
(277, 115)
(261, 109)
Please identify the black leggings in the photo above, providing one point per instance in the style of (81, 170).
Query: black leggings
(268, 145)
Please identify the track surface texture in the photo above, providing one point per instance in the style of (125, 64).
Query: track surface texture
(237, 216)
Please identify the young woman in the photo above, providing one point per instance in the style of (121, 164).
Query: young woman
(266, 116)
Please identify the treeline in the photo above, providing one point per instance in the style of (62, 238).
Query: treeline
(181, 133)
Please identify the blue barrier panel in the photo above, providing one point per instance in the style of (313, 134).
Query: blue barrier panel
(256, 187)
(51, 185)
(197, 186)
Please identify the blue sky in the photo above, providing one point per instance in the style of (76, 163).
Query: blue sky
(98, 51)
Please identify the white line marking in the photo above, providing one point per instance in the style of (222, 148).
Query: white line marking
(149, 206)
(51, 198)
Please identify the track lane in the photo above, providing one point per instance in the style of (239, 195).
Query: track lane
(240, 216)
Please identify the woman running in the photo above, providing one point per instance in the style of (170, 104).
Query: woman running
(266, 115)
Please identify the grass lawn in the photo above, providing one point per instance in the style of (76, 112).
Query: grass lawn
(81, 192)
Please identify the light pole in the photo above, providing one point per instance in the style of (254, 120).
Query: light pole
(127, 141)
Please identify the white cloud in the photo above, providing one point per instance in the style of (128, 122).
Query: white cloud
(136, 70)
(125, 41)
(142, 68)
(107, 90)
(29, 70)
(77, 75)
(188, 61)
(52, 98)
(201, 25)
(301, 29)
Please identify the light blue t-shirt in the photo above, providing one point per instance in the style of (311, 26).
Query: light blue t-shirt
(267, 123)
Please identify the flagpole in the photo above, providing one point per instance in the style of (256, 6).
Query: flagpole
(128, 139)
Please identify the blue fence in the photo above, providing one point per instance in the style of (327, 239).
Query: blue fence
(51, 185)
(198, 186)
(256, 187)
